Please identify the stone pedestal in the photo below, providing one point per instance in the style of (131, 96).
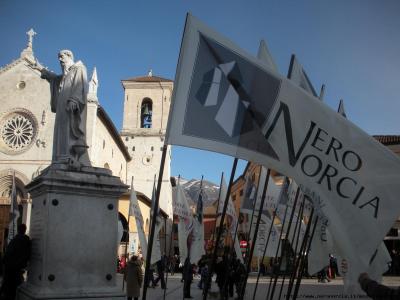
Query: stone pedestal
(74, 235)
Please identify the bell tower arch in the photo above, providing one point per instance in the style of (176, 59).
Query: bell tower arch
(147, 102)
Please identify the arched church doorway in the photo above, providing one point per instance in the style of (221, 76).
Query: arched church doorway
(123, 235)
(125, 230)
(6, 181)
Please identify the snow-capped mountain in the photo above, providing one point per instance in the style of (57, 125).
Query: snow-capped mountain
(192, 189)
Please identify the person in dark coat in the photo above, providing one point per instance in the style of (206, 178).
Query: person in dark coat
(262, 269)
(377, 291)
(15, 261)
(231, 276)
(187, 274)
(203, 274)
(160, 271)
(133, 276)
(333, 266)
(150, 278)
(323, 275)
(240, 276)
(222, 270)
(172, 264)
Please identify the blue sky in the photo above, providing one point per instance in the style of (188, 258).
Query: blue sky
(351, 46)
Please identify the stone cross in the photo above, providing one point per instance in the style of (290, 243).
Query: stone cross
(30, 34)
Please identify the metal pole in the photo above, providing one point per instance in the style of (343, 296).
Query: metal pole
(297, 229)
(302, 265)
(127, 241)
(265, 250)
(221, 223)
(232, 251)
(216, 213)
(298, 259)
(253, 244)
(169, 255)
(285, 242)
(277, 250)
(153, 221)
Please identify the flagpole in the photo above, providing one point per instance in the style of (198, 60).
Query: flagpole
(297, 229)
(221, 223)
(196, 214)
(292, 58)
(285, 217)
(322, 93)
(265, 250)
(165, 251)
(127, 240)
(217, 212)
(232, 251)
(302, 265)
(299, 262)
(252, 215)
(277, 249)
(285, 240)
(153, 221)
(169, 254)
(301, 250)
(283, 223)
(253, 243)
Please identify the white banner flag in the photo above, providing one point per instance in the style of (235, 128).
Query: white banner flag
(185, 215)
(156, 252)
(134, 210)
(197, 246)
(262, 238)
(227, 101)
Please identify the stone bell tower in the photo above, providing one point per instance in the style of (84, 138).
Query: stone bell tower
(147, 102)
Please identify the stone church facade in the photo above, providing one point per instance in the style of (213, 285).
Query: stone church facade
(26, 137)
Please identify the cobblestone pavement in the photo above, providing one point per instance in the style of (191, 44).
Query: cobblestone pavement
(310, 289)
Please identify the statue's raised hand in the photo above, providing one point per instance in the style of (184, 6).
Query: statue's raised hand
(36, 66)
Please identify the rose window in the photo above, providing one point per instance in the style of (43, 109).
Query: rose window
(18, 130)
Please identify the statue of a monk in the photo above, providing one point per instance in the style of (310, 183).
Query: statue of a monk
(68, 101)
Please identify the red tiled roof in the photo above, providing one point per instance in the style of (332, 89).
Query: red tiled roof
(388, 139)
(148, 79)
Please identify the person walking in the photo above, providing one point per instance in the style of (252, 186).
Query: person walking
(187, 275)
(133, 276)
(222, 271)
(240, 276)
(333, 266)
(15, 261)
(160, 272)
(172, 264)
(150, 279)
